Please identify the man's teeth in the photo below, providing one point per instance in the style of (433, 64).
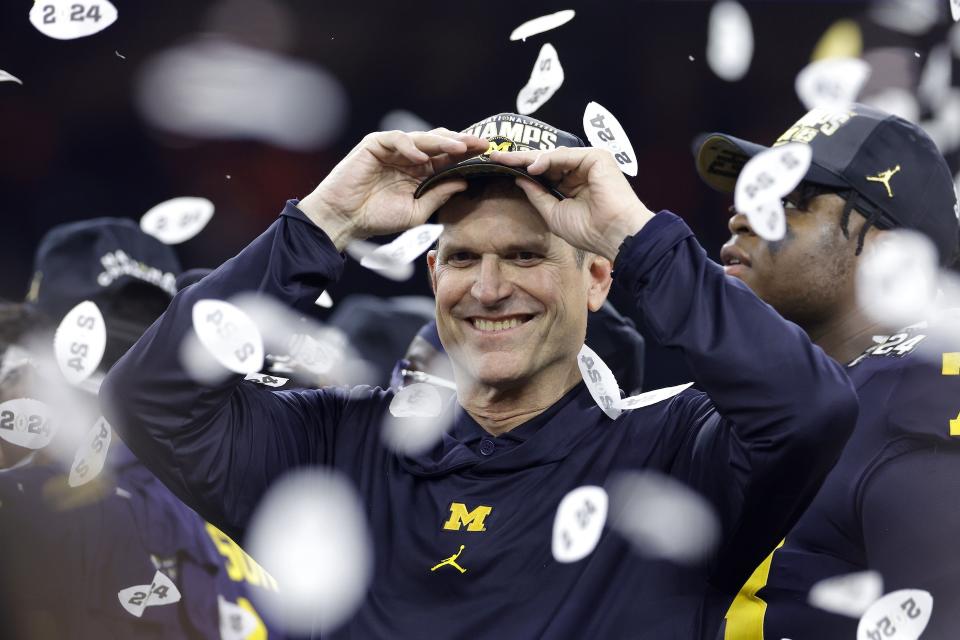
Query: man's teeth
(499, 325)
(733, 261)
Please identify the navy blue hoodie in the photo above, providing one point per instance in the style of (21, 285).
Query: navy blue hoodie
(757, 445)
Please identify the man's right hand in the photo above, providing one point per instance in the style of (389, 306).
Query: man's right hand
(370, 192)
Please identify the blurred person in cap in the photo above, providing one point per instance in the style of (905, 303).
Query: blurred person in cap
(614, 338)
(69, 550)
(889, 505)
(534, 223)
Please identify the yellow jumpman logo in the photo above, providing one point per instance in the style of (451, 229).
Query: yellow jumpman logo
(452, 561)
(884, 177)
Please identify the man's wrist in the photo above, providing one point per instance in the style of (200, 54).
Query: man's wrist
(633, 222)
(340, 230)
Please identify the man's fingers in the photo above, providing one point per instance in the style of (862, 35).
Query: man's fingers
(542, 200)
(553, 164)
(419, 146)
(435, 197)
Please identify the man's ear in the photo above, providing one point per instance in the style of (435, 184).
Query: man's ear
(432, 266)
(599, 272)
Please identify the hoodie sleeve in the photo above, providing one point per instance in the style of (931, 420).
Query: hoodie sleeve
(777, 409)
(219, 447)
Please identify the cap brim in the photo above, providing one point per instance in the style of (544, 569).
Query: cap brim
(474, 167)
(720, 158)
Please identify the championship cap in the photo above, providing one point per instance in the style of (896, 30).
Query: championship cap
(899, 175)
(506, 132)
(93, 259)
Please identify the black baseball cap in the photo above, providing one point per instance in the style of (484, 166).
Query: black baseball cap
(899, 175)
(506, 132)
(94, 260)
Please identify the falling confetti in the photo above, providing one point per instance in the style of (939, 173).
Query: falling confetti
(848, 595)
(68, 19)
(236, 623)
(600, 382)
(27, 423)
(897, 278)
(603, 131)
(661, 517)
(324, 300)
(542, 24)
(652, 397)
(177, 220)
(311, 534)
(229, 335)
(161, 591)
(80, 341)
(729, 40)
(764, 180)
(578, 525)
(406, 248)
(7, 77)
(545, 79)
(90, 458)
(831, 83)
(899, 615)
(416, 420)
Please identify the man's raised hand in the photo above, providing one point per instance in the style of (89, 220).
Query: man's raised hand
(600, 210)
(370, 191)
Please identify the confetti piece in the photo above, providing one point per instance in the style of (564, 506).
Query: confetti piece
(161, 591)
(764, 180)
(579, 522)
(542, 24)
(266, 380)
(177, 220)
(897, 278)
(899, 615)
(545, 79)
(729, 40)
(89, 460)
(7, 77)
(416, 421)
(80, 341)
(831, 83)
(119, 55)
(236, 623)
(324, 300)
(360, 249)
(229, 335)
(600, 382)
(652, 397)
(955, 9)
(406, 248)
(68, 19)
(661, 517)
(420, 376)
(26, 423)
(603, 131)
(847, 595)
(310, 532)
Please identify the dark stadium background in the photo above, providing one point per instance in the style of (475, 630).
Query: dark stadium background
(73, 146)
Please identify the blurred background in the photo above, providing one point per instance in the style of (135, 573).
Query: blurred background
(251, 102)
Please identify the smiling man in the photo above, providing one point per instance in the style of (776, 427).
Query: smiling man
(889, 505)
(462, 532)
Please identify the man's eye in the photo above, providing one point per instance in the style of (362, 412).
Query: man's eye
(787, 204)
(524, 256)
(460, 257)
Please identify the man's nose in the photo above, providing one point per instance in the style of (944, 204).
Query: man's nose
(738, 224)
(490, 286)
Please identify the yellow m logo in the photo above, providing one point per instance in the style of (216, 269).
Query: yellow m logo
(473, 520)
(493, 146)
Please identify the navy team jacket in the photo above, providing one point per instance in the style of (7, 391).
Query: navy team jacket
(889, 505)
(66, 553)
(757, 444)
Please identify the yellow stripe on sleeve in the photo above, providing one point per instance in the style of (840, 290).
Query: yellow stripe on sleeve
(745, 616)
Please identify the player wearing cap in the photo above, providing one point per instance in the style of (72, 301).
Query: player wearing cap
(889, 505)
(68, 551)
(462, 532)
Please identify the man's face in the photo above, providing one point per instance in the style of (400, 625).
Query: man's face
(511, 300)
(809, 275)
